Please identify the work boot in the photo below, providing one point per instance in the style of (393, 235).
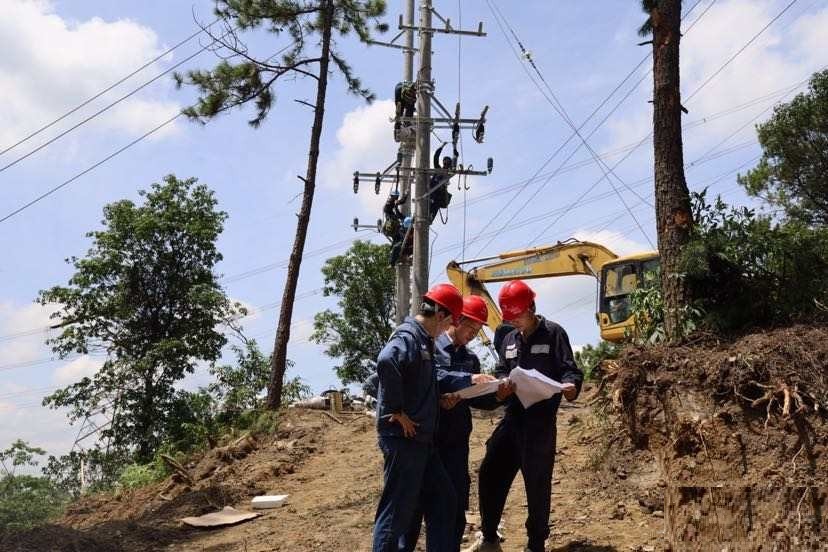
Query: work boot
(481, 545)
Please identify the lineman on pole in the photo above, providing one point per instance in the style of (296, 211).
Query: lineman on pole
(525, 438)
(408, 403)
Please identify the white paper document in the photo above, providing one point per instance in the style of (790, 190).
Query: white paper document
(478, 390)
(531, 386)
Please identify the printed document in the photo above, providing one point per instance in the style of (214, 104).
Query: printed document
(531, 386)
(478, 390)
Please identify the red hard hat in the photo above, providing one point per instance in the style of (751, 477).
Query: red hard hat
(515, 298)
(474, 307)
(448, 297)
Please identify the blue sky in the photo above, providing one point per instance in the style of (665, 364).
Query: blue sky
(59, 53)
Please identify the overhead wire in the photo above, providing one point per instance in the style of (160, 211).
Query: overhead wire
(112, 86)
(106, 108)
(589, 118)
(706, 82)
(95, 165)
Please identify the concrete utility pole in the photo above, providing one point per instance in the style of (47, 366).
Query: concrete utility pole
(400, 172)
(403, 268)
(422, 219)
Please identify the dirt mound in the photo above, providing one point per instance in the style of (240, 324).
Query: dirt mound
(739, 431)
(148, 518)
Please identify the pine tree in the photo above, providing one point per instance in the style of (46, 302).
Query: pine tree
(253, 80)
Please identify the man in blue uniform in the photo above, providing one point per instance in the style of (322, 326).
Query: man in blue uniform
(457, 368)
(408, 403)
(524, 439)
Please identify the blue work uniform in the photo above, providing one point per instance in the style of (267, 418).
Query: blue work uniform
(455, 367)
(413, 474)
(525, 438)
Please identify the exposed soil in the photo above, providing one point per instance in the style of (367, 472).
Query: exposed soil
(683, 448)
(740, 434)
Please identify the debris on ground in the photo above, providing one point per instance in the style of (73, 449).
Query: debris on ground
(226, 516)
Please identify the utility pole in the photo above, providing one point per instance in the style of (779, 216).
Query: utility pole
(422, 217)
(403, 268)
(400, 173)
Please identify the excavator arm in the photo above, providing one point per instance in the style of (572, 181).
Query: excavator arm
(562, 259)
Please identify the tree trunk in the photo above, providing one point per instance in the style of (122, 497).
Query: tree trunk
(673, 214)
(278, 361)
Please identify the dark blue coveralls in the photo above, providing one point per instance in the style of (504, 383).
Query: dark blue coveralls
(455, 367)
(413, 474)
(525, 438)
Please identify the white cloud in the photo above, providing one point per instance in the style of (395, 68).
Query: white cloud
(618, 243)
(366, 144)
(32, 319)
(76, 370)
(786, 53)
(51, 64)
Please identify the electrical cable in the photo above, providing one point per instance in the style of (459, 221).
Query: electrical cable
(108, 88)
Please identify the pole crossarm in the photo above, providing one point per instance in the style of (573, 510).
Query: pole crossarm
(447, 29)
(393, 43)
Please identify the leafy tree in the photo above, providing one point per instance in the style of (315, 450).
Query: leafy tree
(243, 77)
(25, 500)
(589, 358)
(146, 296)
(748, 271)
(365, 287)
(241, 386)
(674, 218)
(793, 171)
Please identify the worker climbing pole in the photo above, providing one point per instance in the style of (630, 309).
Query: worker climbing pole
(413, 126)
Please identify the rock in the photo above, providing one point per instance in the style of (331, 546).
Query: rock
(648, 548)
(658, 514)
(621, 474)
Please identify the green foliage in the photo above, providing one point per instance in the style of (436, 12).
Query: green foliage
(26, 500)
(140, 475)
(748, 271)
(589, 358)
(647, 306)
(793, 171)
(146, 296)
(240, 386)
(101, 468)
(364, 284)
(253, 79)
(294, 390)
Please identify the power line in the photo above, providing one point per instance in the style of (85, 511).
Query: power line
(740, 50)
(104, 160)
(107, 89)
(105, 108)
(89, 169)
(595, 111)
(561, 110)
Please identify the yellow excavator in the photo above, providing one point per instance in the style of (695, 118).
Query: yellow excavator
(617, 278)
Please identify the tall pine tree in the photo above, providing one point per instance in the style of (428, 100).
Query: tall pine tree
(242, 78)
(674, 217)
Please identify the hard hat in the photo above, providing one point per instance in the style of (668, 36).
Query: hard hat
(406, 222)
(474, 308)
(448, 297)
(515, 298)
(395, 193)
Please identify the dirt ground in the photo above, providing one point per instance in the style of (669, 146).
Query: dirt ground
(334, 484)
(688, 448)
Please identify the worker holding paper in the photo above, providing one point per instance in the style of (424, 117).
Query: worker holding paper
(458, 369)
(539, 352)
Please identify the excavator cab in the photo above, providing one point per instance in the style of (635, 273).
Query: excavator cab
(618, 280)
